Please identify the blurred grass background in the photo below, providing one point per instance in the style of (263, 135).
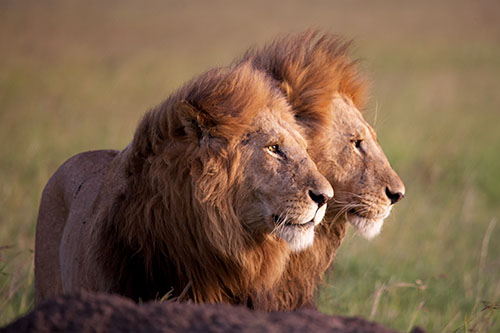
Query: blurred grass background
(78, 75)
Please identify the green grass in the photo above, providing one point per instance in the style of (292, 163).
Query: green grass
(78, 76)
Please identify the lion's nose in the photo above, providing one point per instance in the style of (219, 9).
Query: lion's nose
(320, 197)
(394, 196)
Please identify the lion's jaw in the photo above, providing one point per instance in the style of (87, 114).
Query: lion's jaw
(368, 227)
(300, 236)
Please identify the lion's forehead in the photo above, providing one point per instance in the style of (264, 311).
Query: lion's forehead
(276, 126)
(348, 120)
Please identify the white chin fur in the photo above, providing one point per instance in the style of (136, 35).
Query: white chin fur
(367, 228)
(298, 239)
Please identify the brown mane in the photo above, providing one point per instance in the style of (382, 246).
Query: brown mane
(185, 151)
(310, 69)
(165, 215)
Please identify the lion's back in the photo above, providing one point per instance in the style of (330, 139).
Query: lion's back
(76, 182)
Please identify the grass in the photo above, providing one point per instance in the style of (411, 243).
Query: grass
(78, 76)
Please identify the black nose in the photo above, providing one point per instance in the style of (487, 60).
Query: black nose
(394, 197)
(320, 198)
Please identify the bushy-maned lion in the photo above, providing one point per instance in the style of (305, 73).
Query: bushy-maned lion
(206, 203)
(326, 92)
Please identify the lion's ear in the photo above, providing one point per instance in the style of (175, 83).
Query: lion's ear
(194, 121)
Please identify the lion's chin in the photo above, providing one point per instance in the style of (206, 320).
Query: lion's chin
(368, 228)
(298, 237)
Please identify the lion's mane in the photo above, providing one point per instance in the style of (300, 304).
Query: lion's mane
(310, 69)
(202, 253)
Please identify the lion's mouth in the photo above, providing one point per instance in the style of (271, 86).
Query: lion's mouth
(300, 225)
(298, 236)
(353, 212)
(369, 215)
(291, 224)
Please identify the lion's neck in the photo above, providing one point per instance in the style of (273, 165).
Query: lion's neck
(305, 271)
(182, 269)
(148, 249)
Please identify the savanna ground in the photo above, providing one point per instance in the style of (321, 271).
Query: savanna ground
(77, 76)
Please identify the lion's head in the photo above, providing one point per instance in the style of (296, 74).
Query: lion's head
(326, 93)
(367, 186)
(218, 188)
(280, 187)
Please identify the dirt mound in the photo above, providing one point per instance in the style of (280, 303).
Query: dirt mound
(88, 312)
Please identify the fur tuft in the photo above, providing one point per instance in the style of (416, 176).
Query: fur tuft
(310, 69)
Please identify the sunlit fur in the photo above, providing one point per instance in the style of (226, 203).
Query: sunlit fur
(327, 92)
(188, 209)
(300, 238)
(368, 227)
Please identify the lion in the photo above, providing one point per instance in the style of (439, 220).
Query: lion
(207, 202)
(327, 94)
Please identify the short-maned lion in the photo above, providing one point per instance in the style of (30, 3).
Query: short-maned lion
(206, 203)
(325, 90)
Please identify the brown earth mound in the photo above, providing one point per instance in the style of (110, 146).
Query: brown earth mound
(88, 312)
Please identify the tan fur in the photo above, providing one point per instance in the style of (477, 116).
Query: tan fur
(326, 92)
(189, 208)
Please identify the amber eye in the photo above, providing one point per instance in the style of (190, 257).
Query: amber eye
(275, 149)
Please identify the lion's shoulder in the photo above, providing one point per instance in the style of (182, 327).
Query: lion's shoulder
(74, 183)
(80, 171)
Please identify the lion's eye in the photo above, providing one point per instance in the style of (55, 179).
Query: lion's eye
(357, 143)
(275, 149)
